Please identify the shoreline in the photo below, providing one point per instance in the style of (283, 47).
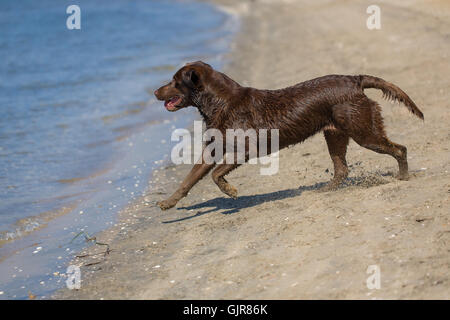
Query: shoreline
(105, 171)
(282, 238)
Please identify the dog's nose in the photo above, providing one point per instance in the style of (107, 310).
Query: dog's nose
(156, 93)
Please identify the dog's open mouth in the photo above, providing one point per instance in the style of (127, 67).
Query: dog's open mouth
(172, 103)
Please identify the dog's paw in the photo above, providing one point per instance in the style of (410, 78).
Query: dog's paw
(402, 176)
(166, 204)
(232, 192)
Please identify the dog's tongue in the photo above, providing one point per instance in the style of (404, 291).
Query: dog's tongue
(170, 104)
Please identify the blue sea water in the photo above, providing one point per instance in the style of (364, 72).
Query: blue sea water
(80, 131)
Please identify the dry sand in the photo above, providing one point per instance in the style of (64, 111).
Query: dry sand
(282, 238)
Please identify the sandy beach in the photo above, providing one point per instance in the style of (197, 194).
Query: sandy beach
(283, 238)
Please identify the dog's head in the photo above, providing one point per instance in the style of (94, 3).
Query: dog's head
(185, 84)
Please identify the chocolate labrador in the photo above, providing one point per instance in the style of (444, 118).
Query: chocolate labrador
(334, 104)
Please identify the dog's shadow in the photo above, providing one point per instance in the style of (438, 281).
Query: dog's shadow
(231, 206)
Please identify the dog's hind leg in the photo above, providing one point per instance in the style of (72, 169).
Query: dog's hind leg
(384, 145)
(218, 177)
(362, 120)
(337, 142)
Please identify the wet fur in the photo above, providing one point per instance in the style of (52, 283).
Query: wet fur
(335, 104)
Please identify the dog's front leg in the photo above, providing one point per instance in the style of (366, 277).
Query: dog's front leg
(196, 174)
(218, 177)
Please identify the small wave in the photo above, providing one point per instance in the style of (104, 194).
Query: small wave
(160, 68)
(28, 225)
(132, 109)
(54, 85)
(77, 179)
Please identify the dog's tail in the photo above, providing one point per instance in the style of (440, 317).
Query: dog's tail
(390, 91)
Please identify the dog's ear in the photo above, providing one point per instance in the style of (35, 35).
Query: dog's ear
(191, 78)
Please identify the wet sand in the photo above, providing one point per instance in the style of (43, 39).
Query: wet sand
(283, 238)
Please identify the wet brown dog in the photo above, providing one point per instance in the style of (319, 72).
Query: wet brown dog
(335, 104)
